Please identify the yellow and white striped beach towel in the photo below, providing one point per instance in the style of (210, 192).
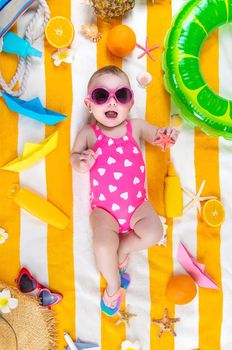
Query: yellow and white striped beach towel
(64, 259)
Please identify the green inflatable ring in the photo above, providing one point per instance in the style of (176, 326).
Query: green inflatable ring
(199, 104)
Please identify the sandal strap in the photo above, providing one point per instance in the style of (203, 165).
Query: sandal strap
(110, 300)
(124, 264)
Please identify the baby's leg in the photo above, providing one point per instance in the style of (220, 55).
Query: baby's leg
(147, 228)
(105, 244)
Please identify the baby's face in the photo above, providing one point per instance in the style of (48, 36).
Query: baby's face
(111, 113)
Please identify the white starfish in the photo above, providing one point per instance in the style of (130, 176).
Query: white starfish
(196, 198)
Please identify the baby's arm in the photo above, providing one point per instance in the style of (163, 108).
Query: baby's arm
(150, 133)
(82, 158)
(147, 132)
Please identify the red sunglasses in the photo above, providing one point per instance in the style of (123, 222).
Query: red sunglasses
(101, 95)
(27, 284)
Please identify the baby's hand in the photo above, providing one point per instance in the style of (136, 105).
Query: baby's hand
(87, 160)
(166, 137)
(169, 131)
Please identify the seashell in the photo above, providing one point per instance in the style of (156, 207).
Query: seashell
(144, 79)
(176, 121)
(91, 31)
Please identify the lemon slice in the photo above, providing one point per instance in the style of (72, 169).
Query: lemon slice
(213, 213)
(59, 32)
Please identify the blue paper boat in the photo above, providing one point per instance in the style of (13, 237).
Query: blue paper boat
(81, 345)
(33, 109)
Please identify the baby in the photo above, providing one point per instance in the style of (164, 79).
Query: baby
(122, 219)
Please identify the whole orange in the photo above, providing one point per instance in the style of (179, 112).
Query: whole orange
(121, 40)
(181, 289)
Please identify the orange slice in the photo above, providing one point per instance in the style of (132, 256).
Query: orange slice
(59, 32)
(213, 213)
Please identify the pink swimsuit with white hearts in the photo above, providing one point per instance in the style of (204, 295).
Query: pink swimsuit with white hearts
(118, 176)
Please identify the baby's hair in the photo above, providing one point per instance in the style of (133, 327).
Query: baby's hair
(108, 70)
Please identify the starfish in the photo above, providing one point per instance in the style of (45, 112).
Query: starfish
(164, 140)
(196, 198)
(165, 323)
(147, 49)
(124, 317)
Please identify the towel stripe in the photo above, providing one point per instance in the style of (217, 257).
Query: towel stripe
(208, 249)
(225, 51)
(104, 57)
(9, 212)
(138, 295)
(33, 238)
(59, 185)
(184, 228)
(87, 278)
(158, 112)
(111, 336)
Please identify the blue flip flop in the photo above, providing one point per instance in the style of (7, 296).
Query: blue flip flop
(125, 280)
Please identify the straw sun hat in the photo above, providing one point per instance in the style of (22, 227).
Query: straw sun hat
(32, 325)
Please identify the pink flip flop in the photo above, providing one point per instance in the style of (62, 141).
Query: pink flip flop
(123, 266)
(110, 305)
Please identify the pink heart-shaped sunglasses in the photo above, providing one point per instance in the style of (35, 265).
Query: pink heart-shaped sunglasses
(27, 284)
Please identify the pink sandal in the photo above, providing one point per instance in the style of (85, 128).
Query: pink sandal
(110, 305)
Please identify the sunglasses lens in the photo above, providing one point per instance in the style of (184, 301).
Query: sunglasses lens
(100, 96)
(46, 298)
(124, 95)
(26, 284)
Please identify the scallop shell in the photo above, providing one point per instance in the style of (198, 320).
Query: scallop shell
(144, 79)
(91, 31)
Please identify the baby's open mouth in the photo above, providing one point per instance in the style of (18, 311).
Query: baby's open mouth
(111, 114)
